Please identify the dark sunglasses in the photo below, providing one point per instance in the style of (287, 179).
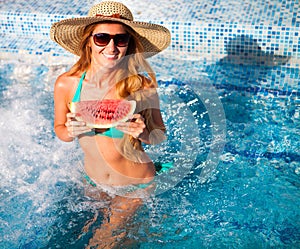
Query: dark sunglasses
(102, 39)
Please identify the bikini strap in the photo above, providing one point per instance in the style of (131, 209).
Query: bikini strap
(76, 97)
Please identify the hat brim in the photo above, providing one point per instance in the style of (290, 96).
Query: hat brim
(69, 32)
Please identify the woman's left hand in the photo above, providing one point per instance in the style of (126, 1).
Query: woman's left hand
(134, 127)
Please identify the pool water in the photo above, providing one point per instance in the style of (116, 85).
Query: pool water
(250, 199)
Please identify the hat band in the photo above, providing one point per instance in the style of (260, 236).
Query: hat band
(117, 15)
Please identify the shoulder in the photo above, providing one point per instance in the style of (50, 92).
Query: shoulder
(63, 79)
(65, 86)
(66, 81)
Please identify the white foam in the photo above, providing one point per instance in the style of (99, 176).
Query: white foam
(33, 161)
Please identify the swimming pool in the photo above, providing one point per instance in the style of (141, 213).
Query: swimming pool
(251, 201)
(248, 199)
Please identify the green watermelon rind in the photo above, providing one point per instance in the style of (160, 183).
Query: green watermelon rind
(106, 125)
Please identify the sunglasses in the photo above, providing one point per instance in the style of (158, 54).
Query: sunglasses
(102, 39)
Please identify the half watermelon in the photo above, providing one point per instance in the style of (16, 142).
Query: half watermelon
(104, 113)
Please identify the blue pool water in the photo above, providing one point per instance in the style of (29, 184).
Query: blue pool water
(230, 97)
(250, 199)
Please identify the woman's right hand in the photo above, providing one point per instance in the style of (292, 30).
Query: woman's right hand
(75, 128)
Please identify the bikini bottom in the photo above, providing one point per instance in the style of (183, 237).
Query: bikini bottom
(142, 190)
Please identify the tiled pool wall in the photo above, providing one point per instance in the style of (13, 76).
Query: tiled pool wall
(242, 32)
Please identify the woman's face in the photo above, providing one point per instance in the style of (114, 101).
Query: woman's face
(108, 56)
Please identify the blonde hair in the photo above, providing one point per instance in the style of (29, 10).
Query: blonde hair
(130, 78)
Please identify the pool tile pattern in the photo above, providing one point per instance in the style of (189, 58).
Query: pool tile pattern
(204, 33)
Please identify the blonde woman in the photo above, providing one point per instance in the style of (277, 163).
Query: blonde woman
(112, 50)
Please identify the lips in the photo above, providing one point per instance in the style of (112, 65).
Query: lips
(110, 56)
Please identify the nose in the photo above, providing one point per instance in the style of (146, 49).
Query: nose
(111, 45)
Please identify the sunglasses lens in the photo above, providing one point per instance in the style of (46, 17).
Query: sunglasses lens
(102, 39)
(121, 40)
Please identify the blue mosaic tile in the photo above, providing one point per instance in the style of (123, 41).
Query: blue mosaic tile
(256, 33)
(276, 13)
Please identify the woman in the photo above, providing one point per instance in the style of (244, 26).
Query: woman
(112, 49)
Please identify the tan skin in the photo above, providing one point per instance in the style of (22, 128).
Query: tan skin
(103, 162)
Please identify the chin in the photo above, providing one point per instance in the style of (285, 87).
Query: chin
(112, 64)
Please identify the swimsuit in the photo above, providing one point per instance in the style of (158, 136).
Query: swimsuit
(115, 133)
(127, 187)
(159, 168)
(111, 132)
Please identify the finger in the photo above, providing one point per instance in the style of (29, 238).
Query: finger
(124, 126)
(140, 123)
(76, 131)
(140, 118)
(136, 117)
(72, 123)
(135, 122)
(131, 126)
(77, 123)
(71, 115)
(132, 129)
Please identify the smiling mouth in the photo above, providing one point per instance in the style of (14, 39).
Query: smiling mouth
(110, 56)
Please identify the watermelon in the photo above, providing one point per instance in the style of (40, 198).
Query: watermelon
(104, 113)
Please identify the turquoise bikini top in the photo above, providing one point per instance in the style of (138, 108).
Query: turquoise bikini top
(111, 132)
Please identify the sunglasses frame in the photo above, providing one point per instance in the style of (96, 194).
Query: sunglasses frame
(116, 39)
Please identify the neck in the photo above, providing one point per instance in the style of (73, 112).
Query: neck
(102, 77)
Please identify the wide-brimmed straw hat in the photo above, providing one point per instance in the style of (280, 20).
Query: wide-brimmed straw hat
(69, 32)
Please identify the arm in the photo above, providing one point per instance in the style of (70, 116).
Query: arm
(154, 131)
(65, 125)
(61, 108)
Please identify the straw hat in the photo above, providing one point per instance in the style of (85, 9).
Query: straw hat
(69, 32)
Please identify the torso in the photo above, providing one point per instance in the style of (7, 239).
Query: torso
(103, 161)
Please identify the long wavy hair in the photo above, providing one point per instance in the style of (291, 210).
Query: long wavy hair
(133, 75)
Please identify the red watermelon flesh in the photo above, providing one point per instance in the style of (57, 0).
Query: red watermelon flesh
(104, 113)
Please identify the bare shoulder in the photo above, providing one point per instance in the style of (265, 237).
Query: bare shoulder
(64, 80)
(65, 86)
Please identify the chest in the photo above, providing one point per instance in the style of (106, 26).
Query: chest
(92, 92)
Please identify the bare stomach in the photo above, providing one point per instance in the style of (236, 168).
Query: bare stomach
(105, 163)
